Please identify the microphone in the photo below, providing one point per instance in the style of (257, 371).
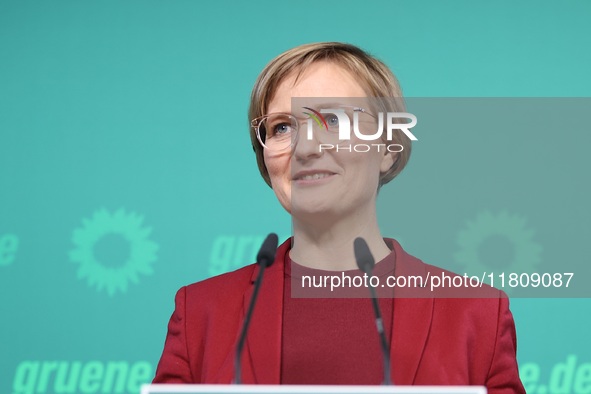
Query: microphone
(265, 258)
(366, 262)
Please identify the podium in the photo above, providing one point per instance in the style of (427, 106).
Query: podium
(304, 389)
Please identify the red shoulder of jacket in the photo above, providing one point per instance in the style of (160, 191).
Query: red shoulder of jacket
(225, 289)
(221, 289)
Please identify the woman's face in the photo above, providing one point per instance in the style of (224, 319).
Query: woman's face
(321, 184)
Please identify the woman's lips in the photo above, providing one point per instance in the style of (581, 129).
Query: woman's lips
(312, 177)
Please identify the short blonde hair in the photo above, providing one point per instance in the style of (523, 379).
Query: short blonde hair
(374, 76)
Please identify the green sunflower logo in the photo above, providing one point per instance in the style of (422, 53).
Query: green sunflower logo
(497, 243)
(128, 227)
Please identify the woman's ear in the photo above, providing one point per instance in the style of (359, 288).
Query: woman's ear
(388, 160)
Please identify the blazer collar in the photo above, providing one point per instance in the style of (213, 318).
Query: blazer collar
(261, 361)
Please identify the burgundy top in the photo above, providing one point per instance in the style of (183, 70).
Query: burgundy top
(330, 337)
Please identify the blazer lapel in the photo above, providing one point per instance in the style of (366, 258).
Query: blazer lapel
(262, 358)
(413, 312)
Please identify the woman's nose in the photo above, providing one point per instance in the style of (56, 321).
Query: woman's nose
(307, 144)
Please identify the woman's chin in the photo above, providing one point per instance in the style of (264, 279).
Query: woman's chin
(319, 212)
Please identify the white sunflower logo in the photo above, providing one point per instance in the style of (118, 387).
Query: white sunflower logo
(142, 251)
(500, 228)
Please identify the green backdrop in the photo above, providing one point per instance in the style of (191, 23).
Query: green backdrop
(126, 171)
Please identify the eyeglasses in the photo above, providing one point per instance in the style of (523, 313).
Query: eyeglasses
(279, 131)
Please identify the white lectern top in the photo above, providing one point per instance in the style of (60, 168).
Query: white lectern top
(304, 389)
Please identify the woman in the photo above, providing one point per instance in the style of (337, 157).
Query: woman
(331, 196)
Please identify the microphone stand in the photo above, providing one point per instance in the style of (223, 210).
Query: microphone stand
(265, 258)
(366, 262)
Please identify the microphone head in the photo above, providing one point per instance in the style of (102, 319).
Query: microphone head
(266, 254)
(363, 256)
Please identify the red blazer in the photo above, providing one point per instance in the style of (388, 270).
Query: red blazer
(435, 341)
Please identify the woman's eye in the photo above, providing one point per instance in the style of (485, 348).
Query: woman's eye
(332, 121)
(281, 128)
